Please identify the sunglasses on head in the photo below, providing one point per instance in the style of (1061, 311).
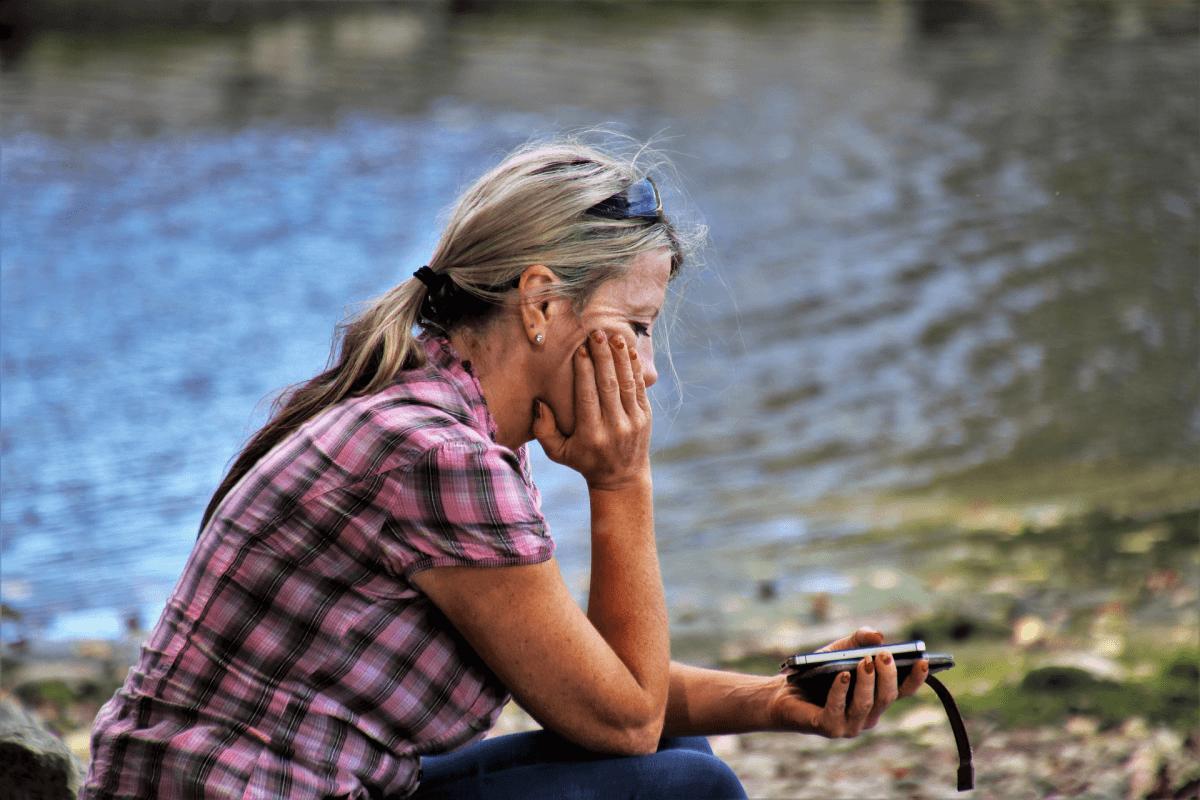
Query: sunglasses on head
(639, 201)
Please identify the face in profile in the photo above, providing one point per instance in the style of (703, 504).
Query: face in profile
(627, 306)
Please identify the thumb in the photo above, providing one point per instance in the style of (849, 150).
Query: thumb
(867, 637)
(545, 429)
(863, 637)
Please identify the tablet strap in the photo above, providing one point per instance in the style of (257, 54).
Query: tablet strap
(966, 771)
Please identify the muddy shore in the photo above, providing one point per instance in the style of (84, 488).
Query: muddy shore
(1076, 643)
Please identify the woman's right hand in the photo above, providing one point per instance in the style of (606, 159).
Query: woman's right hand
(610, 445)
(846, 715)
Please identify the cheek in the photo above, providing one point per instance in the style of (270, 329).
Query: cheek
(560, 393)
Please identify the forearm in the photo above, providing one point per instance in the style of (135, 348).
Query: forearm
(705, 702)
(625, 598)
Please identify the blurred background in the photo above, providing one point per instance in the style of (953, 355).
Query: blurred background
(939, 373)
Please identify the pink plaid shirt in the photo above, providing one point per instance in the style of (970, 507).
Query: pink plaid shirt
(295, 658)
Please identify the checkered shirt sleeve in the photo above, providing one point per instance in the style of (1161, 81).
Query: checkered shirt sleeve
(462, 503)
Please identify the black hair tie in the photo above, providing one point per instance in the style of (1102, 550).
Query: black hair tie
(432, 280)
(436, 306)
(446, 302)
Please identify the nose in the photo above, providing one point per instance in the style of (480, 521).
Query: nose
(645, 353)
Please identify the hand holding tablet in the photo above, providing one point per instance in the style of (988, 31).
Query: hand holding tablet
(813, 675)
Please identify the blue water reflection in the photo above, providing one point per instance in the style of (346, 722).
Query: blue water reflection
(933, 252)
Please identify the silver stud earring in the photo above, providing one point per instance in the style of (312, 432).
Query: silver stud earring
(540, 338)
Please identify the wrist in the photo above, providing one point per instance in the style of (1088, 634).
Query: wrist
(638, 483)
(774, 691)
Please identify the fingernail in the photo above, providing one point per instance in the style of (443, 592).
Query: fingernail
(583, 352)
(633, 355)
(618, 342)
(597, 336)
(869, 666)
(887, 658)
(845, 677)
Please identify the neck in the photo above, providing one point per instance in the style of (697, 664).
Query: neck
(501, 376)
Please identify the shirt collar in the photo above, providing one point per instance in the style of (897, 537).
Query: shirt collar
(443, 357)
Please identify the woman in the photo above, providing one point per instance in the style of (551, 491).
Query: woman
(374, 577)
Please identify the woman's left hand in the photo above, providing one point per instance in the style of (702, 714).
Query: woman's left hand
(846, 716)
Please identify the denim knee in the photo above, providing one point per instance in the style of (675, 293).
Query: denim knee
(697, 743)
(696, 775)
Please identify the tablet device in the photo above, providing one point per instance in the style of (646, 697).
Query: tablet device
(813, 673)
(825, 656)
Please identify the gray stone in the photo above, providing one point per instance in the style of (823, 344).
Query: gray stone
(34, 763)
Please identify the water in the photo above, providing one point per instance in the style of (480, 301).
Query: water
(942, 247)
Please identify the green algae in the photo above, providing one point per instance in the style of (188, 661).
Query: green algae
(1094, 614)
(1048, 695)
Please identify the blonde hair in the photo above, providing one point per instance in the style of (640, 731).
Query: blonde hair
(528, 209)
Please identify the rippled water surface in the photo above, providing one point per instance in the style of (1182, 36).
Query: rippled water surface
(940, 246)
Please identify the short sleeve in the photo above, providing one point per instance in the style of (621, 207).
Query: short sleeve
(462, 504)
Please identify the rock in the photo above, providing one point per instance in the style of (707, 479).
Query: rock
(920, 719)
(884, 579)
(767, 591)
(819, 607)
(756, 767)
(79, 742)
(1081, 726)
(1028, 631)
(1143, 768)
(34, 763)
(725, 746)
(95, 649)
(1135, 728)
(1094, 664)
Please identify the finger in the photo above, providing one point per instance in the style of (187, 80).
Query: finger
(886, 691)
(545, 430)
(587, 402)
(639, 376)
(863, 698)
(915, 679)
(833, 716)
(863, 637)
(626, 383)
(606, 376)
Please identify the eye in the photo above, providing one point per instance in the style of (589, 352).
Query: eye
(639, 329)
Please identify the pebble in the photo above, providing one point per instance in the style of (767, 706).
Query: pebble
(920, 719)
(1073, 760)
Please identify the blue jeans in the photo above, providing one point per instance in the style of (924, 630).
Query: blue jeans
(540, 764)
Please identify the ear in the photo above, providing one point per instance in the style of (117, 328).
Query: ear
(538, 305)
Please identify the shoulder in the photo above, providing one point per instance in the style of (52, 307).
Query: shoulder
(397, 426)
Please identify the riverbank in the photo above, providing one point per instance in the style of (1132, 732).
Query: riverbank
(1076, 641)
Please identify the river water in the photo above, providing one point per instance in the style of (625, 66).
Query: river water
(943, 242)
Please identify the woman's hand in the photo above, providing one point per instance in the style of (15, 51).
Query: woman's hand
(846, 716)
(610, 445)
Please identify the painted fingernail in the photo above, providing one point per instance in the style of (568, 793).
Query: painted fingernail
(633, 355)
(868, 665)
(618, 342)
(597, 336)
(583, 352)
(887, 658)
(845, 677)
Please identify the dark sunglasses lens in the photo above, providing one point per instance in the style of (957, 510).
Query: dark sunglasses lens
(643, 199)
